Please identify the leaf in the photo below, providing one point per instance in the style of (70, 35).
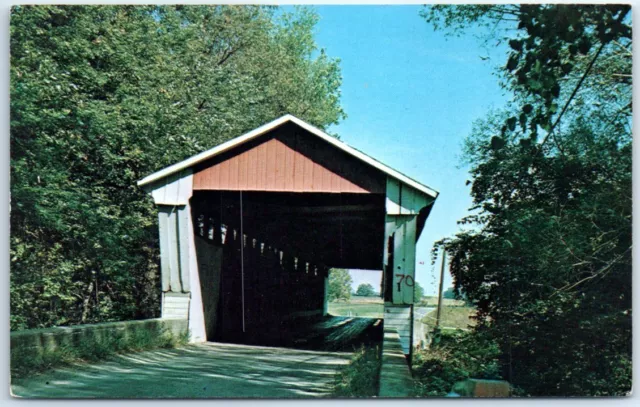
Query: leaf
(497, 143)
(515, 45)
(584, 46)
(512, 63)
(534, 84)
(523, 121)
(525, 142)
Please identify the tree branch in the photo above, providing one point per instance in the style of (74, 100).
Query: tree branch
(573, 94)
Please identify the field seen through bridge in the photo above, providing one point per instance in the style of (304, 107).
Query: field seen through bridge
(371, 307)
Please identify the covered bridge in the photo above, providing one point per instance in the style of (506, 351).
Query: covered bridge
(250, 228)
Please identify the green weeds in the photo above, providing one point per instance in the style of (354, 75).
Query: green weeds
(454, 356)
(361, 377)
(94, 347)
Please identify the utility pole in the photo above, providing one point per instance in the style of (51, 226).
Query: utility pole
(444, 260)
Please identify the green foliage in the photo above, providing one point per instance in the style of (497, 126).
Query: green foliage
(449, 293)
(339, 285)
(454, 356)
(418, 292)
(547, 261)
(361, 377)
(365, 290)
(102, 96)
(26, 362)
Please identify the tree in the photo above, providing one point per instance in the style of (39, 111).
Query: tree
(102, 96)
(339, 285)
(365, 290)
(449, 293)
(555, 51)
(418, 292)
(548, 264)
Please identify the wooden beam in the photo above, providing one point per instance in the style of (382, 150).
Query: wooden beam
(163, 228)
(174, 264)
(184, 241)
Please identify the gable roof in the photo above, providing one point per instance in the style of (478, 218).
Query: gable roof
(226, 146)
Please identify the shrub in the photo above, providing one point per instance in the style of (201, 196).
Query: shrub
(454, 356)
(360, 378)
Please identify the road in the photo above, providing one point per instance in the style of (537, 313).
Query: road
(420, 312)
(209, 370)
(420, 329)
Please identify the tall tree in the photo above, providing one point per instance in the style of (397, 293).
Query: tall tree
(449, 293)
(365, 290)
(339, 285)
(548, 259)
(104, 95)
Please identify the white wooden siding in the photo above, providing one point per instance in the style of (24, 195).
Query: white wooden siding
(404, 255)
(409, 260)
(196, 309)
(185, 240)
(175, 189)
(175, 306)
(165, 248)
(399, 317)
(403, 199)
(174, 255)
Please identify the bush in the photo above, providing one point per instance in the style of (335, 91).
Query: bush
(454, 356)
(361, 377)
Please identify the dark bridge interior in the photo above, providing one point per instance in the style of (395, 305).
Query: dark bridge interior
(267, 287)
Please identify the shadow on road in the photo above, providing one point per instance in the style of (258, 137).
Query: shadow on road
(210, 370)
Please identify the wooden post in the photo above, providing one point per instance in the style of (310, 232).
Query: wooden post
(444, 259)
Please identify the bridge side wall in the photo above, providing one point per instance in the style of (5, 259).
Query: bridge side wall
(403, 205)
(38, 341)
(181, 292)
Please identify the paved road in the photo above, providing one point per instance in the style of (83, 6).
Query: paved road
(420, 312)
(420, 329)
(198, 371)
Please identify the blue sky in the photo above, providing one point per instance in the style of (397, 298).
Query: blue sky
(411, 96)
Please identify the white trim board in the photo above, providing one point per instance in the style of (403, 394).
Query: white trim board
(189, 162)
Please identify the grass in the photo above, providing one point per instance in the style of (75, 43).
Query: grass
(361, 377)
(432, 301)
(455, 317)
(371, 307)
(26, 363)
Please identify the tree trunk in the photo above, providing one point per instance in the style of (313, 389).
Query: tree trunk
(85, 302)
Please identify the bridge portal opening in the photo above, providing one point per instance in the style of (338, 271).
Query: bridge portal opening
(249, 229)
(264, 257)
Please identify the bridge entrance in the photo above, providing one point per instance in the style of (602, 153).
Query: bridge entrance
(250, 228)
(264, 257)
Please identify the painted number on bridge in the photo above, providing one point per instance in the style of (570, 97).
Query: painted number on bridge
(407, 279)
